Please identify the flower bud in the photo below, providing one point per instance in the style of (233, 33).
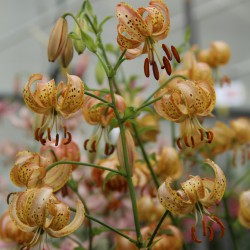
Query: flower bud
(244, 212)
(67, 53)
(57, 39)
(130, 147)
(221, 52)
(79, 45)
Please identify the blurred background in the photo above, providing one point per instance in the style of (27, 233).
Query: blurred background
(24, 30)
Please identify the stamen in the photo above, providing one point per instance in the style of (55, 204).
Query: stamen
(69, 138)
(211, 233)
(93, 147)
(85, 144)
(65, 191)
(57, 139)
(178, 142)
(8, 197)
(107, 151)
(210, 136)
(193, 234)
(186, 141)
(192, 141)
(65, 131)
(48, 133)
(167, 65)
(41, 139)
(176, 54)
(155, 71)
(37, 134)
(243, 155)
(204, 228)
(146, 67)
(151, 56)
(167, 51)
(202, 134)
(219, 222)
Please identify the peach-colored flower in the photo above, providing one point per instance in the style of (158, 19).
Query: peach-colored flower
(196, 196)
(53, 102)
(38, 210)
(183, 103)
(139, 34)
(244, 212)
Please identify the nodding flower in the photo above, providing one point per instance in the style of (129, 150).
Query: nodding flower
(53, 103)
(184, 102)
(139, 34)
(98, 113)
(196, 196)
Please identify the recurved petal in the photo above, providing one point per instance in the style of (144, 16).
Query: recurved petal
(13, 209)
(131, 19)
(170, 199)
(14, 176)
(70, 228)
(133, 53)
(215, 192)
(58, 176)
(72, 96)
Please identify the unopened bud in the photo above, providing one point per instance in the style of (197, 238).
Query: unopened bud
(130, 147)
(57, 39)
(67, 53)
(79, 45)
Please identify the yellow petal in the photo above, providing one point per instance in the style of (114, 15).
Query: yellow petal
(70, 228)
(58, 176)
(170, 199)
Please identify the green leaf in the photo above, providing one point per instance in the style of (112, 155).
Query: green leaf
(113, 124)
(104, 21)
(153, 157)
(99, 73)
(99, 230)
(89, 7)
(187, 35)
(148, 110)
(79, 248)
(130, 112)
(89, 41)
(107, 178)
(110, 48)
(74, 36)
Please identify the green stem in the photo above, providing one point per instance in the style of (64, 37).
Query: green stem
(157, 228)
(83, 164)
(228, 219)
(87, 211)
(164, 84)
(111, 228)
(172, 124)
(148, 103)
(127, 167)
(97, 97)
(145, 156)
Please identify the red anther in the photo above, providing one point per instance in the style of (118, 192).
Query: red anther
(167, 65)
(204, 228)
(167, 51)
(243, 155)
(178, 142)
(155, 71)
(43, 141)
(192, 141)
(93, 147)
(69, 138)
(65, 132)
(8, 197)
(107, 151)
(186, 141)
(176, 54)
(202, 134)
(85, 144)
(211, 233)
(48, 133)
(57, 139)
(193, 235)
(65, 191)
(146, 67)
(219, 222)
(210, 136)
(37, 134)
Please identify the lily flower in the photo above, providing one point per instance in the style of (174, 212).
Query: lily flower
(139, 34)
(196, 196)
(183, 102)
(244, 213)
(29, 171)
(38, 210)
(53, 102)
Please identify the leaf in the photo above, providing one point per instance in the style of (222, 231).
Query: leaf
(89, 7)
(74, 36)
(104, 21)
(148, 110)
(110, 47)
(107, 178)
(130, 112)
(153, 157)
(99, 73)
(187, 35)
(88, 41)
(79, 248)
(113, 124)
(99, 230)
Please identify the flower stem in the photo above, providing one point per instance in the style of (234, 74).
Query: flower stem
(157, 228)
(145, 156)
(228, 219)
(111, 228)
(97, 97)
(164, 84)
(83, 164)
